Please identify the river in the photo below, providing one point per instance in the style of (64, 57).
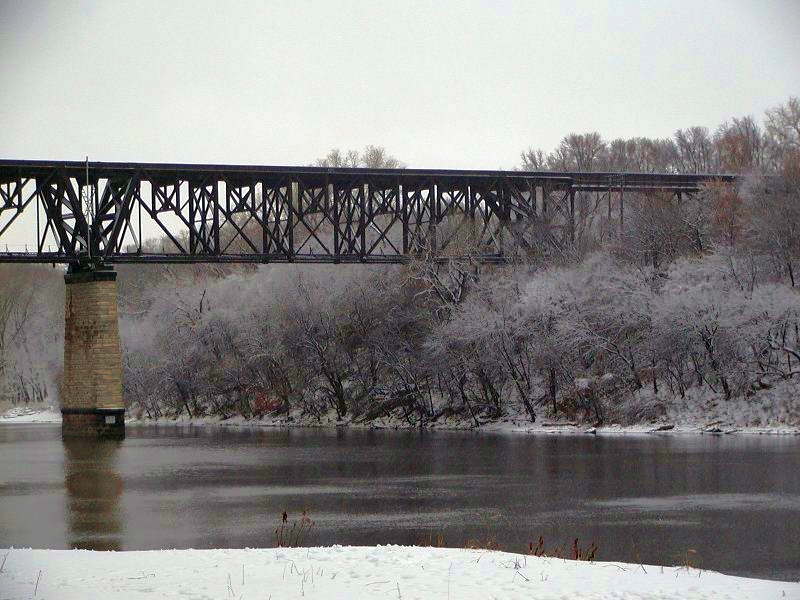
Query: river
(727, 503)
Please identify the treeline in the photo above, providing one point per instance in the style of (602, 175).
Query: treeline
(741, 145)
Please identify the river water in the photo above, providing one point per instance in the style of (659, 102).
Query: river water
(729, 503)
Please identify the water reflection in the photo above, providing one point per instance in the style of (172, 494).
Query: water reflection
(94, 487)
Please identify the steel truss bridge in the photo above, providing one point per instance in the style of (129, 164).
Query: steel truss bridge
(171, 213)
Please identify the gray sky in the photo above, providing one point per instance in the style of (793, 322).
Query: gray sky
(454, 83)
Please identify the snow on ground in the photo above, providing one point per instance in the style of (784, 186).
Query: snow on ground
(514, 422)
(400, 572)
(510, 424)
(31, 414)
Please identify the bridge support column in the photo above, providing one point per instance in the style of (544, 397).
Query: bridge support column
(91, 402)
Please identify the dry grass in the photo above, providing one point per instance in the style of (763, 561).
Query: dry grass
(293, 536)
(689, 559)
(577, 552)
(432, 540)
(488, 543)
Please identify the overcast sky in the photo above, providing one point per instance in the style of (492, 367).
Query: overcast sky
(453, 83)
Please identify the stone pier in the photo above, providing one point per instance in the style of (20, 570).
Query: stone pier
(91, 398)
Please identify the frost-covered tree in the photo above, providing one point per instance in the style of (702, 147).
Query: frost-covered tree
(774, 227)
(31, 332)
(658, 230)
(742, 146)
(372, 157)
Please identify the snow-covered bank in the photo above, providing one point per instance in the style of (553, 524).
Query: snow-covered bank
(516, 424)
(775, 410)
(356, 572)
(31, 414)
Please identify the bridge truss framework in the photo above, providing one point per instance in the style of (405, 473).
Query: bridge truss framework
(100, 212)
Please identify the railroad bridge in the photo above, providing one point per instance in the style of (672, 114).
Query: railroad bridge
(92, 215)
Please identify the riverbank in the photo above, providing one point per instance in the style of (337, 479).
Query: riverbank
(773, 410)
(518, 423)
(401, 572)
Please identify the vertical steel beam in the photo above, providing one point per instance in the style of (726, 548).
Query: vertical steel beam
(264, 219)
(216, 208)
(192, 215)
(291, 197)
(362, 217)
(432, 215)
(334, 204)
(404, 203)
(572, 215)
